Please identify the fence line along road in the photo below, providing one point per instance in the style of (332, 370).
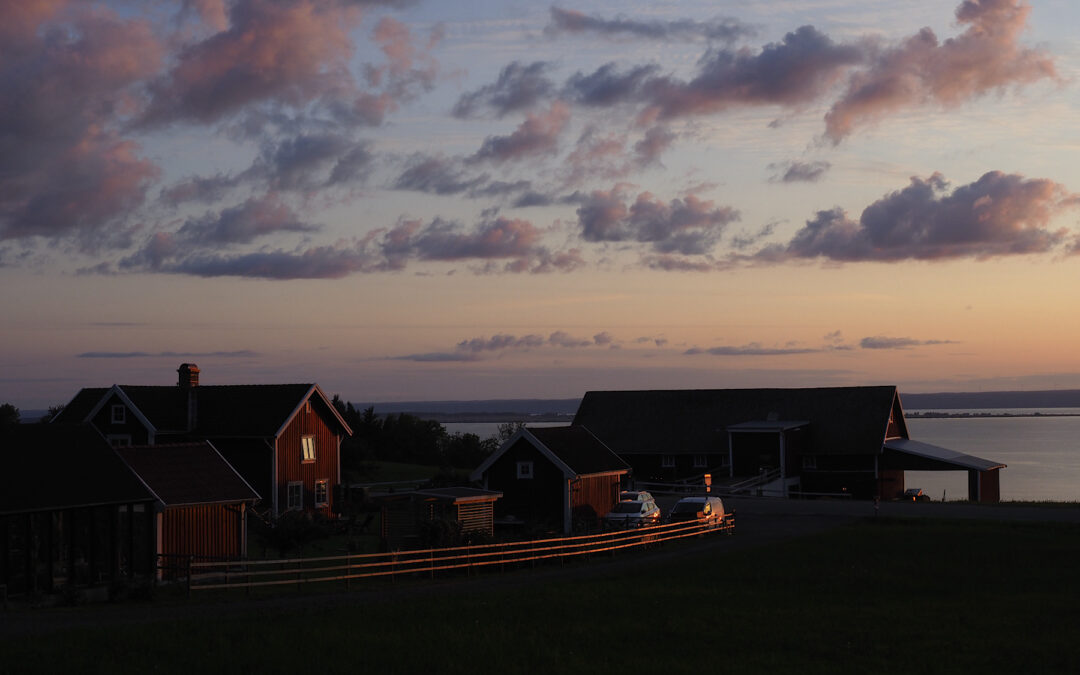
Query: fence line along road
(205, 575)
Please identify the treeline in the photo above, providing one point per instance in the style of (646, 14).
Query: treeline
(401, 437)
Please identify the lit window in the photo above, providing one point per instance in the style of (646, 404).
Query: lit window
(667, 461)
(321, 496)
(524, 469)
(699, 462)
(308, 444)
(119, 414)
(295, 500)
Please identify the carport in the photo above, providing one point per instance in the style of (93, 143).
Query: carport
(983, 474)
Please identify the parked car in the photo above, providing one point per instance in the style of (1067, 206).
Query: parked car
(915, 495)
(709, 510)
(633, 514)
(635, 496)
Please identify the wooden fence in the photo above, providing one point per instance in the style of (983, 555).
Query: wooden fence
(206, 575)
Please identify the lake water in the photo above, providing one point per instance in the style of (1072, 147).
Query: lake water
(1042, 453)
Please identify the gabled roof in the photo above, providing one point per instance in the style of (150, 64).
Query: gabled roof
(842, 420)
(48, 467)
(187, 473)
(574, 450)
(253, 410)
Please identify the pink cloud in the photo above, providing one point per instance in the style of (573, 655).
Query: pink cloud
(998, 215)
(985, 57)
(537, 135)
(272, 51)
(68, 80)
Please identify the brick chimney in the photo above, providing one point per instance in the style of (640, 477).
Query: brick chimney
(189, 375)
(189, 381)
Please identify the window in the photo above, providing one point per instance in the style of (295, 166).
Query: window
(295, 497)
(118, 414)
(667, 461)
(809, 462)
(524, 469)
(119, 440)
(321, 497)
(700, 462)
(308, 445)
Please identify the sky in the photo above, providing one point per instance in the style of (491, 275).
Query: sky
(419, 200)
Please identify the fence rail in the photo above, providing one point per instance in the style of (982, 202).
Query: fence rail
(206, 575)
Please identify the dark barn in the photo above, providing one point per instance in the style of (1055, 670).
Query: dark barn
(553, 477)
(849, 441)
(71, 513)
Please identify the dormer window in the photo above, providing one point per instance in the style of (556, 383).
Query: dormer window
(307, 444)
(118, 414)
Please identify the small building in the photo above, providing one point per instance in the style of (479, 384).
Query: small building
(284, 439)
(201, 501)
(850, 441)
(553, 477)
(404, 515)
(71, 513)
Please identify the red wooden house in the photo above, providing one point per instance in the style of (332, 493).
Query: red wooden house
(552, 477)
(201, 502)
(284, 439)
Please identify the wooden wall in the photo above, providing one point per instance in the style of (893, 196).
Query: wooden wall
(290, 464)
(203, 530)
(592, 497)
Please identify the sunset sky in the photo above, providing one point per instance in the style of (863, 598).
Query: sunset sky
(500, 199)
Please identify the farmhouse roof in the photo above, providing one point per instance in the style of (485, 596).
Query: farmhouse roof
(246, 410)
(842, 420)
(574, 450)
(187, 473)
(52, 467)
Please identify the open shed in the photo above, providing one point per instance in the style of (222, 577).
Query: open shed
(984, 483)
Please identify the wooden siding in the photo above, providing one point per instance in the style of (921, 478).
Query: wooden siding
(592, 497)
(211, 530)
(538, 500)
(476, 517)
(290, 464)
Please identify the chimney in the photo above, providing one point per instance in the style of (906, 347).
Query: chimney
(189, 375)
(189, 381)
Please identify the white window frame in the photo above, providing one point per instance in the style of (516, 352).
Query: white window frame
(667, 461)
(322, 485)
(119, 440)
(525, 470)
(307, 448)
(117, 414)
(299, 503)
(701, 462)
(809, 462)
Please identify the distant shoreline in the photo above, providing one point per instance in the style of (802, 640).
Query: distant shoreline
(967, 415)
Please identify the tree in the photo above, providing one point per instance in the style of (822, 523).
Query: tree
(9, 415)
(507, 430)
(54, 410)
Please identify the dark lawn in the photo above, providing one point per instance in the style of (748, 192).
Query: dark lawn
(896, 596)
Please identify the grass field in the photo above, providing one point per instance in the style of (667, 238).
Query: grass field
(892, 596)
